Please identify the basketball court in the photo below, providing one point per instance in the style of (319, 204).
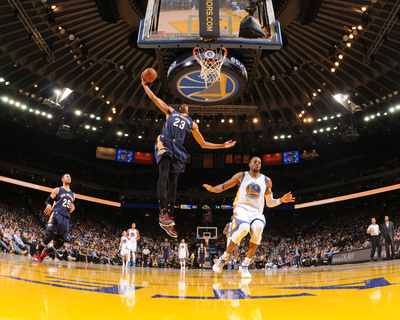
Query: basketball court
(68, 290)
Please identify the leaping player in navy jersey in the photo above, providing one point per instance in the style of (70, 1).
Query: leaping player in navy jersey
(59, 205)
(171, 155)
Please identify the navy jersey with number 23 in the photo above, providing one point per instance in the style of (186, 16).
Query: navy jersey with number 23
(177, 127)
(173, 134)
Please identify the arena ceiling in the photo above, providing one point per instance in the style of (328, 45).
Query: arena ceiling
(352, 49)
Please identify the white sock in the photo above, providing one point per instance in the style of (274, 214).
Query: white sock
(225, 256)
(246, 261)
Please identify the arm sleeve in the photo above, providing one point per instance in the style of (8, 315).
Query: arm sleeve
(49, 201)
(271, 202)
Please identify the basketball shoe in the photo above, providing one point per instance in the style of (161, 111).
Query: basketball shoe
(164, 219)
(244, 271)
(170, 231)
(217, 267)
(36, 257)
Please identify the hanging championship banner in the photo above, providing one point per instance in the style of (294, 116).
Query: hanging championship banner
(208, 161)
(209, 18)
(197, 160)
(229, 158)
(238, 158)
(188, 158)
(219, 161)
(246, 158)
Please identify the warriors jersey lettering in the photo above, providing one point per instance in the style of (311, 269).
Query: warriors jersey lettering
(251, 193)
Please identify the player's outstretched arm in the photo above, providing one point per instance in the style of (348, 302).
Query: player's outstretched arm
(235, 180)
(158, 102)
(208, 145)
(50, 200)
(288, 197)
(269, 199)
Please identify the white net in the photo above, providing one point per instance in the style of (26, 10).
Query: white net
(211, 61)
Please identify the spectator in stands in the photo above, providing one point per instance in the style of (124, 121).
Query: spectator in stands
(29, 242)
(9, 239)
(4, 242)
(20, 243)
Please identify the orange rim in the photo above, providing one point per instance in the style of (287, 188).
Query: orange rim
(203, 61)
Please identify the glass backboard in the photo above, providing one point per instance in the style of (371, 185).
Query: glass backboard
(170, 23)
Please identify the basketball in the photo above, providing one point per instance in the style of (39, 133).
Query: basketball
(149, 75)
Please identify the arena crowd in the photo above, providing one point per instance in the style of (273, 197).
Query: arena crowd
(291, 239)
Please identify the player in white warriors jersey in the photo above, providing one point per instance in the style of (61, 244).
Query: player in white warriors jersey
(183, 253)
(248, 210)
(133, 234)
(124, 248)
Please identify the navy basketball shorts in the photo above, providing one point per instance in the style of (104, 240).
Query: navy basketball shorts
(174, 150)
(166, 255)
(59, 225)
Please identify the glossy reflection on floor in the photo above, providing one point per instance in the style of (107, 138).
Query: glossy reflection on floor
(63, 290)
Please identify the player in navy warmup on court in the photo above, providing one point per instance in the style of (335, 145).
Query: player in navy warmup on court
(59, 205)
(171, 155)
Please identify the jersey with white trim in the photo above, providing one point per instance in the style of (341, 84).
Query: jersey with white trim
(62, 201)
(177, 127)
(251, 193)
(132, 234)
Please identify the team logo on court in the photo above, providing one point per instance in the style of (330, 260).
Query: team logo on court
(253, 190)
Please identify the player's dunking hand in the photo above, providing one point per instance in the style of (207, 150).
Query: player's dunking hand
(288, 198)
(229, 144)
(143, 82)
(47, 211)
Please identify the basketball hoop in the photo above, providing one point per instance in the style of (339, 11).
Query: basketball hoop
(211, 61)
(207, 238)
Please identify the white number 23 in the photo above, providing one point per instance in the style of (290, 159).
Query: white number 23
(180, 125)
